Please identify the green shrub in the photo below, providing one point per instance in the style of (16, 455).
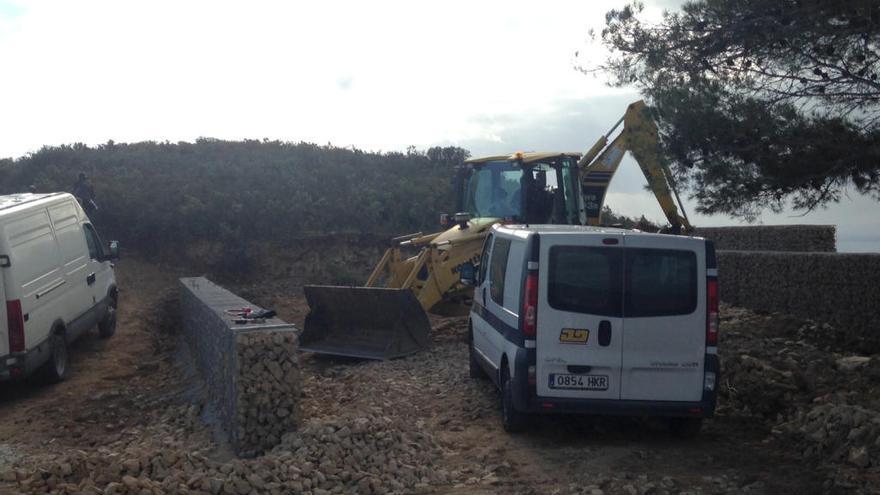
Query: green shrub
(158, 195)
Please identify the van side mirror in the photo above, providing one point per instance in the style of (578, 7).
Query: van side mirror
(113, 250)
(468, 274)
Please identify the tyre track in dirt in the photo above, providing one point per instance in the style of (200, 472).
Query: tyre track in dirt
(111, 381)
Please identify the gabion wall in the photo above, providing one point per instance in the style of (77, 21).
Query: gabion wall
(250, 370)
(802, 238)
(838, 288)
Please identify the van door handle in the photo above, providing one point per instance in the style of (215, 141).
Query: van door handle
(604, 333)
(90, 279)
(579, 370)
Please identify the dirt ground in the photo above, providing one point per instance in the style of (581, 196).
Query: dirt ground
(128, 403)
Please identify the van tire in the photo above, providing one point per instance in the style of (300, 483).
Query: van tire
(474, 368)
(107, 325)
(55, 369)
(512, 420)
(686, 427)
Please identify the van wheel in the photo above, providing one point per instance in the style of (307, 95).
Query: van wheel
(55, 369)
(474, 368)
(686, 427)
(512, 420)
(107, 326)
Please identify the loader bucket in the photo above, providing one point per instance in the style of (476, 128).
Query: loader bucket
(363, 322)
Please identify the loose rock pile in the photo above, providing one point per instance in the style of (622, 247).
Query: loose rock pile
(765, 372)
(397, 427)
(366, 454)
(369, 454)
(804, 383)
(838, 433)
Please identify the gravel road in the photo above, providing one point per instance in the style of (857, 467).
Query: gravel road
(797, 413)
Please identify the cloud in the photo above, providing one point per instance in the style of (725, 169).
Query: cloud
(344, 82)
(97, 70)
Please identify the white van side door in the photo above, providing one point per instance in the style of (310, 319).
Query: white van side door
(664, 344)
(580, 323)
(478, 316)
(501, 294)
(74, 259)
(99, 273)
(4, 325)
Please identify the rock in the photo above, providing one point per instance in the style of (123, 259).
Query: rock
(364, 485)
(858, 456)
(851, 363)
(275, 369)
(256, 481)
(113, 488)
(8, 475)
(130, 482)
(242, 487)
(216, 485)
(132, 466)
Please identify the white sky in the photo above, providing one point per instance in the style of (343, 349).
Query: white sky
(491, 76)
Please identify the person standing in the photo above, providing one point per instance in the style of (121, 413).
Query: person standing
(85, 193)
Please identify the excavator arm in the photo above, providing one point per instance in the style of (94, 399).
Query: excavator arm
(598, 166)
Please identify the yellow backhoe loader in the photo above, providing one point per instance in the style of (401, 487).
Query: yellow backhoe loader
(387, 318)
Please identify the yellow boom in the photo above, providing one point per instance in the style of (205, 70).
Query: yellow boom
(639, 137)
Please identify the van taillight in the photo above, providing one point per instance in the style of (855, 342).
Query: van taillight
(530, 305)
(712, 312)
(15, 324)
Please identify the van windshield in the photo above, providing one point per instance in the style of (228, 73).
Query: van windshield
(625, 282)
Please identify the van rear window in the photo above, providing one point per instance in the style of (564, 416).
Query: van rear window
(586, 280)
(660, 282)
(628, 282)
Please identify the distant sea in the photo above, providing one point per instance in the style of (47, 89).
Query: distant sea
(858, 245)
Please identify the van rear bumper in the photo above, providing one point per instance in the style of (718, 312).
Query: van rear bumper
(20, 365)
(13, 367)
(526, 400)
(606, 407)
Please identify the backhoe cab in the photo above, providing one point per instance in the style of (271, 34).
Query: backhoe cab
(421, 272)
(527, 188)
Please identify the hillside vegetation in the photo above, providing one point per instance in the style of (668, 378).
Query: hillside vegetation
(153, 195)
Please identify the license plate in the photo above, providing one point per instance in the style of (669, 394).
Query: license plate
(579, 382)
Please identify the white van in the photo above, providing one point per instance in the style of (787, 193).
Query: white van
(573, 319)
(57, 281)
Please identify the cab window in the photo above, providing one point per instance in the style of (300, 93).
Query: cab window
(497, 269)
(484, 258)
(93, 242)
